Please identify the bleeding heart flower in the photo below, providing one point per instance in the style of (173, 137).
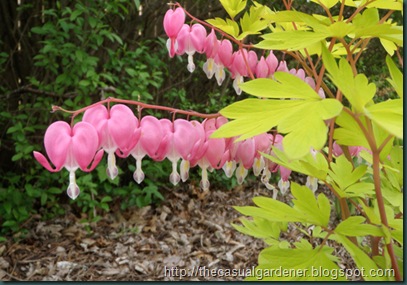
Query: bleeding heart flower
(113, 133)
(211, 50)
(71, 148)
(224, 58)
(191, 40)
(173, 21)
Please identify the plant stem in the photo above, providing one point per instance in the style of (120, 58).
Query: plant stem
(139, 104)
(382, 211)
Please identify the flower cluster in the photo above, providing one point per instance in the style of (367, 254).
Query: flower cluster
(118, 132)
(191, 39)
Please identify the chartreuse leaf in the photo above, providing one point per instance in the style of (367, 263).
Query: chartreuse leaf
(327, 3)
(272, 210)
(396, 77)
(362, 260)
(315, 211)
(233, 7)
(345, 179)
(228, 26)
(297, 17)
(310, 164)
(260, 228)
(349, 132)
(381, 4)
(253, 22)
(389, 46)
(299, 264)
(291, 40)
(388, 115)
(285, 85)
(354, 226)
(367, 25)
(355, 88)
(302, 120)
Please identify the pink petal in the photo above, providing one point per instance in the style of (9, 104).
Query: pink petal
(84, 143)
(57, 140)
(97, 117)
(44, 162)
(198, 37)
(173, 21)
(121, 125)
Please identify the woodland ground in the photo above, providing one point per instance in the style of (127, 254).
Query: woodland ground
(188, 230)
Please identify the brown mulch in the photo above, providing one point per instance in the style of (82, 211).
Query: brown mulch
(189, 230)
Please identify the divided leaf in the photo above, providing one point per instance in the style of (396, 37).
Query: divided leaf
(353, 226)
(345, 179)
(396, 77)
(228, 26)
(361, 259)
(315, 166)
(233, 7)
(301, 119)
(301, 260)
(356, 88)
(315, 211)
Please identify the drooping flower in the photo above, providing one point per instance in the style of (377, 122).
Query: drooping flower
(262, 68)
(173, 21)
(152, 142)
(272, 63)
(71, 148)
(223, 59)
(211, 50)
(182, 138)
(284, 183)
(242, 62)
(191, 40)
(113, 133)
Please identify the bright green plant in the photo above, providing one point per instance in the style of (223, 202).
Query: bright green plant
(369, 190)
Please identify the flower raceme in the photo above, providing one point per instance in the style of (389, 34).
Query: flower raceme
(117, 131)
(243, 63)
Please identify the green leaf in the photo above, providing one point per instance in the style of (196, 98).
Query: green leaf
(301, 264)
(297, 17)
(353, 226)
(340, 29)
(343, 174)
(272, 210)
(361, 259)
(396, 76)
(349, 133)
(327, 3)
(285, 85)
(311, 165)
(315, 211)
(259, 228)
(253, 22)
(381, 4)
(301, 120)
(233, 7)
(228, 26)
(355, 88)
(291, 40)
(388, 115)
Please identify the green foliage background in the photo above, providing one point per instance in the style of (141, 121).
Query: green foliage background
(71, 54)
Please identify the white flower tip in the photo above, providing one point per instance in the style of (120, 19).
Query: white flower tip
(175, 178)
(138, 176)
(284, 186)
(73, 191)
(112, 172)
